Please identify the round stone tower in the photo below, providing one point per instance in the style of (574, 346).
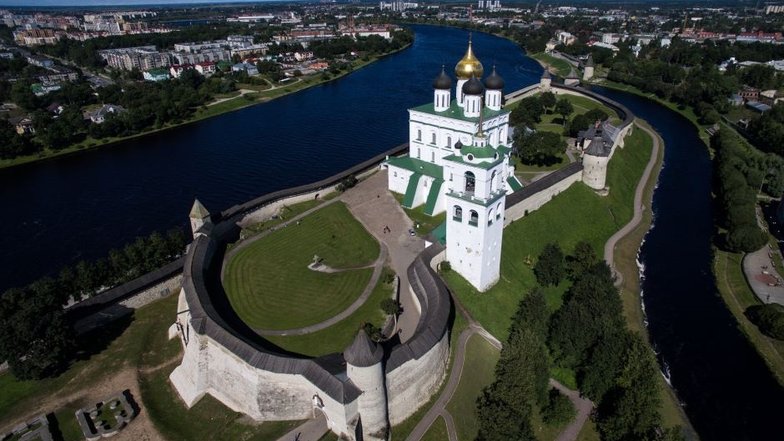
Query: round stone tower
(365, 369)
(589, 66)
(544, 82)
(595, 160)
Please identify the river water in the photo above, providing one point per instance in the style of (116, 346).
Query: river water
(57, 212)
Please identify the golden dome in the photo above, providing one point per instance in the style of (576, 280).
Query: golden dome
(469, 65)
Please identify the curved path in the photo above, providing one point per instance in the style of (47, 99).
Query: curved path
(584, 407)
(639, 207)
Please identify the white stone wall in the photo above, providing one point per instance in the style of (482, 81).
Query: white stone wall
(153, 293)
(595, 171)
(263, 213)
(373, 401)
(208, 367)
(398, 179)
(536, 201)
(474, 251)
(412, 385)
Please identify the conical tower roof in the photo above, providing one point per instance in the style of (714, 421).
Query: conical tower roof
(363, 352)
(589, 61)
(198, 211)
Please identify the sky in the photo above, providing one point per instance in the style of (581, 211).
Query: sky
(49, 3)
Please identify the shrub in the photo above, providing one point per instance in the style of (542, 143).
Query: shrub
(559, 409)
(390, 306)
(768, 318)
(445, 266)
(549, 267)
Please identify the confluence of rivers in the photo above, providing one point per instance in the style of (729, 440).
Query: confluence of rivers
(78, 207)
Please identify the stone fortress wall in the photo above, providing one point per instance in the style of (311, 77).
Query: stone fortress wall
(227, 360)
(535, 195)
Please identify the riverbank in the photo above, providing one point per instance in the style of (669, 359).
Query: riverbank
(218, 107)
(626, 265)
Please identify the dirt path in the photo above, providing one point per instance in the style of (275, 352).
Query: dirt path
(221, 100)
(639, 207)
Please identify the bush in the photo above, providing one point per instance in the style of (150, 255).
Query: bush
(445, 266)
(768, 318)
(559, 409)
(390, 306)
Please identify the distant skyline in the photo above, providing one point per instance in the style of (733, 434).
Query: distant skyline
(105, 3)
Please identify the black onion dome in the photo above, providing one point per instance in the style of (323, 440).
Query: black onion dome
(473, 87)
(442, 81)
(494, 81)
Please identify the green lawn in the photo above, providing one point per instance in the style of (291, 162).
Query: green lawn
(562, 68)
(337, 337)
(286, 212)
(143, 343)
(574, 215)
(437, 431)
(208, 419)
(270, 286)
(478, 372)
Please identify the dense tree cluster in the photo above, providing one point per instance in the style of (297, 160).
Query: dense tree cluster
(539, 148)
(372, 44)
(769, 319)
(38, 340)
(767, 131)
(738, 178)
(615, 368)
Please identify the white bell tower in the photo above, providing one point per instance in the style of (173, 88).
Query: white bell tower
(475, 204)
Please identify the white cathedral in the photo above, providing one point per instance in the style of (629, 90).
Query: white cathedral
(459, 162)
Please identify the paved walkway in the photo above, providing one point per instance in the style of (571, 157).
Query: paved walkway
(311, 430)
(639, 207)
(372, 204)
(763, 276)
(584, 407)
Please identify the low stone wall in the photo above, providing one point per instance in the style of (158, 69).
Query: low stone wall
(534, 196)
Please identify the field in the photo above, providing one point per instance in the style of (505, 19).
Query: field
(268, 281)
(338, 336)
(562, 67)
(478, 372)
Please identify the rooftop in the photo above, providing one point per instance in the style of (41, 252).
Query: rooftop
(417, 166)
(455, 111)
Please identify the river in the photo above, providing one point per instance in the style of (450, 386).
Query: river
(59, 211)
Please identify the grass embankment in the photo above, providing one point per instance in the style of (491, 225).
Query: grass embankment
(123, 355)
(561, 66)
(236, 103)
(738, 296)
(338, 336)
(423, 224)
(437, 431)
(478, 372)
(269, 284)
(401, 431)
(575, 215)
(285, 213)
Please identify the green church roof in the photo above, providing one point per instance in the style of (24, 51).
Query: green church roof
(417, 166)
(455, 111)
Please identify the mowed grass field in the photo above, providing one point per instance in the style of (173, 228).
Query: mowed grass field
(478, 372)
(575, 215)
(270, 286)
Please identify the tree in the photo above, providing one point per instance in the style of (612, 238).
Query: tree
(582, 259)
(539, 148)
(768, 318)
(527, 113)
(564, 108)
(499, 422)
(547, 99)
(532, 314)
(559, 409)
(40, 340)
(549, 267)
(577, 124)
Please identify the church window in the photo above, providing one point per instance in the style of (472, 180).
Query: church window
(490, 218)
(419, 152)
(433, 139)
(394, 173)
(470, 182)
(457, 213)
(492, 182)
(432, 156)
(473, 219)
(450, 177)
(419, 135)
(449, 142)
